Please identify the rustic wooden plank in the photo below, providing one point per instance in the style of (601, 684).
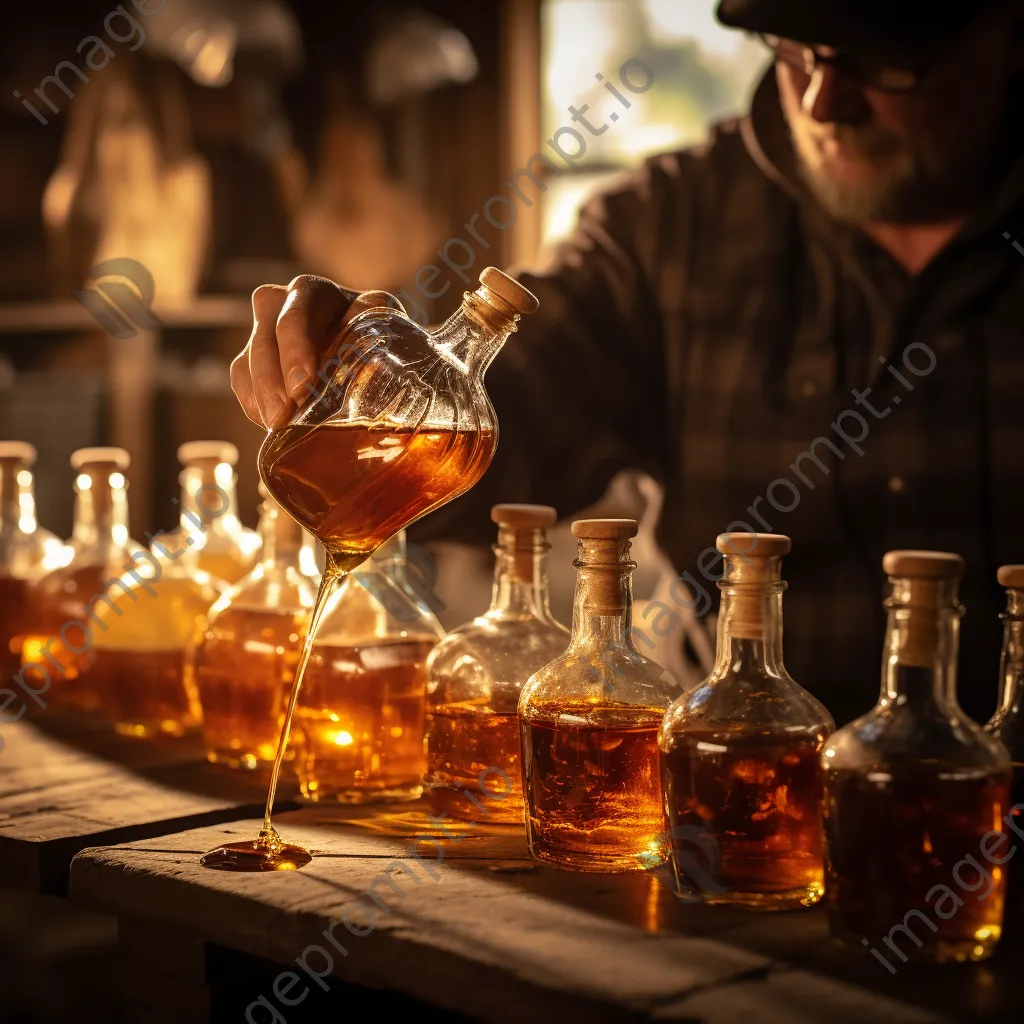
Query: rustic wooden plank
(794, 997)
(57, 798)
(475, 927)
(460, 933)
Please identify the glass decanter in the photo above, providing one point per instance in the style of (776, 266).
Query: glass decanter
(914, 787)
(26, 549)
(475, 676)
(245, 663)
(360, 719)
(1007, 726)
(62, 603)
(589, 724)
(401, 425)
(740, 752)
(209, 511)
(143, 649)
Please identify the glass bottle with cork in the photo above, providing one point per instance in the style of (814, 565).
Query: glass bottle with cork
(360, 720)
(589, 724)
(1007, 726)
(62, 602)
(143, 650)
(225, 548)
(476, 675)
(245, 663)
(27, 551)
(914, 789)
(401, 425)
(740, 752)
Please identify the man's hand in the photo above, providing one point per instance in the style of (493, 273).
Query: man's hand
(291, 329)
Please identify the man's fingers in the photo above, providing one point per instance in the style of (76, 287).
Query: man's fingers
(308, 323)
(275, 407)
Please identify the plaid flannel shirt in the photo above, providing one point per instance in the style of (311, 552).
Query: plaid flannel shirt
(708, 323)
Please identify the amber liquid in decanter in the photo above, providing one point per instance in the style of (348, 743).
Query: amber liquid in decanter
(402, 426)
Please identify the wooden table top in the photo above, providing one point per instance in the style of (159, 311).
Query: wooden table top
(461, 919)
(77, 785)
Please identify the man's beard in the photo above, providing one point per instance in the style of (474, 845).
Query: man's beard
(906, 186)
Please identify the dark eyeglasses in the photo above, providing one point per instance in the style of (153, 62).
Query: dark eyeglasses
(867, 71)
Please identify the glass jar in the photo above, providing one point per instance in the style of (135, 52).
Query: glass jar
(1007, 726)
(476, 673)
(246, 661)
(224, 548)
(62, 603)
(914, 790)
(361, 710)
(740, 752)
(589, 723)
(27, 551)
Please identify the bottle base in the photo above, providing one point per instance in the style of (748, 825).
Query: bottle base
(970, 949)
(389, 795)
(594, 863)
(492, 810)
(150, 729)
(794, 899)
(244, 762)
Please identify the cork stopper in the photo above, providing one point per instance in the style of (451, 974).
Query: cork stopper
(116, 457)
(507, 294)
(20, 450)
(521, 535)
(213, 451)
(1011, 576)
(924, 565)
(924, 583)
(604, 557)
(524, 517)
(752, 567)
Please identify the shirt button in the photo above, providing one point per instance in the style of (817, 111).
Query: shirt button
(896, 484)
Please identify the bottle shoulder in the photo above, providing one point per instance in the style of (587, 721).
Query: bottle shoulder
(762, 703)
(280, 589)
(897, 736)
(616, 674)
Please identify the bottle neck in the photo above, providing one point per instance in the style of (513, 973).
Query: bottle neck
(101, 508)
(208, 498)
(17, 496)
(521, 589)
(921, 645)
(474, 333)
(282, 536)
(602, 611)
(1011, 664)
(750, 629)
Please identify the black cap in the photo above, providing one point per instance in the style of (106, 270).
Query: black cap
(888, 26)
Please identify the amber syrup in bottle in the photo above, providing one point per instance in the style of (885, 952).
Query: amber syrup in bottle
(740, 752)
(914, 789)
(589, 724)
(477, 672)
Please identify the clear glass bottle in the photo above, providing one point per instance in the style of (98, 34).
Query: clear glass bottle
(913, 787)
(740, 752)
(225, 548)
(144, 647)
(63, 602)
(1007, 726)
(589, 724)
(27, 551)
(246, 661)
(475, 676)
(361, 711)
(397, 423)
